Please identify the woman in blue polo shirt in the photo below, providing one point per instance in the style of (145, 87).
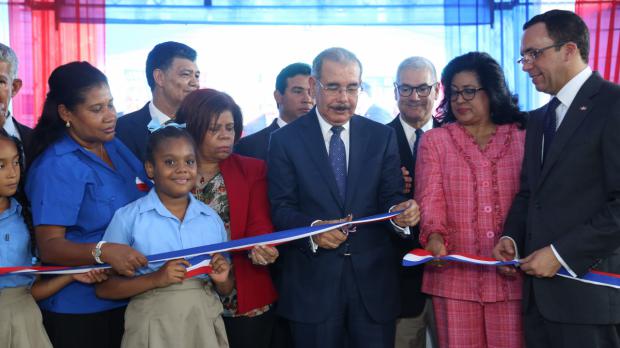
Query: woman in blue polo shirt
(79, 177)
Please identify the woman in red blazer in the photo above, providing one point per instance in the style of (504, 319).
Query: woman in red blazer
(235, 187)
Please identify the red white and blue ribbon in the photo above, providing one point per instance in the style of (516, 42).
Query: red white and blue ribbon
(419, 256)
(199, 256)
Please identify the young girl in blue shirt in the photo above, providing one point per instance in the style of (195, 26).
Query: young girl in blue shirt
(20, 318)
(167, 310)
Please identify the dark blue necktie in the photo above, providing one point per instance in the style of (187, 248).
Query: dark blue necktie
(550, 125)
(416, 143)
(338, 160)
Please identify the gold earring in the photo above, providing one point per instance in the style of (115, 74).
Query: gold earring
(68, 124)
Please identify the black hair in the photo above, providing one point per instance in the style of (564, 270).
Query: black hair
(20, 195)
(68, 85)
(564, 26)
(503, 106)
(162, 55)
(289, 71)
(158, 137)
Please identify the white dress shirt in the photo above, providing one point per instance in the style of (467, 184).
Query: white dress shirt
(157, 114)
(281, 122)
(10, 128)
(410, 131)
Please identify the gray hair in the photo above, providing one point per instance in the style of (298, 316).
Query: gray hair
(8, 55)
(416, 63)
(335, 54)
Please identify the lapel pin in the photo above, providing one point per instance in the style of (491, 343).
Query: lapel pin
(583, 108)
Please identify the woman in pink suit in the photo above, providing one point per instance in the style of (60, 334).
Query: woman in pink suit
(467, 175)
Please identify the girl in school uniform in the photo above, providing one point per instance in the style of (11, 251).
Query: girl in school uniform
(167, 310)
(21, 324)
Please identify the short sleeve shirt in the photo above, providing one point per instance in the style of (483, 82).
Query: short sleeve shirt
(71, 187)
(147, 226)
(14, 245)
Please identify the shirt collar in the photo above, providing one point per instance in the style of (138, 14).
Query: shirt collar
(567, 94)
(407, 127)
(152, 202)
(65, 145)
(14, 208)
(157, 114)
(281, 122)
(326, 128)
(9, 126)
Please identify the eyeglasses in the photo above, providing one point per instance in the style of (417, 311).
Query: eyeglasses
(467, 93)
(530, 56)
(422, 91)
(334, 89)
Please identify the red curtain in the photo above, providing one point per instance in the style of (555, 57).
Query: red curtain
(603, 20)
(46, 34)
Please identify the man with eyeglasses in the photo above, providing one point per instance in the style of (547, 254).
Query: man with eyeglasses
(567, 212)
(328, 166)
(293, 99)
(416, 89)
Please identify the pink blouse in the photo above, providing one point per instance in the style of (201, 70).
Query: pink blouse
(465, 194)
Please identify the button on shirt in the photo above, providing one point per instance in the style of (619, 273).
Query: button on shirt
(14, 245)
(69, 186)
(150, 228)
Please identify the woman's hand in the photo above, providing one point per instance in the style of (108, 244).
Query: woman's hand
(172, 272)
(263, 255)
(220, 268)
(124, 259)
(437, 247)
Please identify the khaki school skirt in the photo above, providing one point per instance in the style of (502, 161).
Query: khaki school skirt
(21, 324)
(180, 315)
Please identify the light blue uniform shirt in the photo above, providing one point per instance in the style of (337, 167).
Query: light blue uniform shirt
(149, 227)
(14, 245)
(69, 186)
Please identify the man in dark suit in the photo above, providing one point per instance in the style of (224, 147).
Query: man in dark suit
(293, 98)
(567, 212)
(10, 85)
(416, 89)
(327, 166)
(171, 73)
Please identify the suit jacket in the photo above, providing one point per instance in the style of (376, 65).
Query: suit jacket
(573, 202)
(25, 134)
(132, 131)
(256, 145)
(246, 187)
(410, 278)
(302, 189)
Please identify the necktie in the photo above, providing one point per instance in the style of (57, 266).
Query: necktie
(338, 160)
(416, 143)
(549, 125)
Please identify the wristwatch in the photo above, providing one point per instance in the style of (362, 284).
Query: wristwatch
(97, 252)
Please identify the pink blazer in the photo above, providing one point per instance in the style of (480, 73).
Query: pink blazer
(465, 194)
